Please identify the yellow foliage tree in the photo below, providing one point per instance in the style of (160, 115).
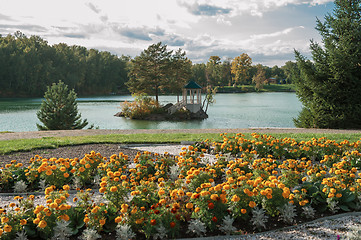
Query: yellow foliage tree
(240, 67)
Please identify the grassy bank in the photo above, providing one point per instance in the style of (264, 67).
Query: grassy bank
(18, 145)
(251, 88)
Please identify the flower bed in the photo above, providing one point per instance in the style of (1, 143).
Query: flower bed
(250, 184)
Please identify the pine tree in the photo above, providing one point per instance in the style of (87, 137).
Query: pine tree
(59, 110)
(149, 71)
(330, 86)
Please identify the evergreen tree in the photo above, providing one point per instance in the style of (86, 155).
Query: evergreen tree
(150, 70)
(59, 111)
(330, 87)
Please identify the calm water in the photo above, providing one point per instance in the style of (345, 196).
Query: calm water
(229, 111)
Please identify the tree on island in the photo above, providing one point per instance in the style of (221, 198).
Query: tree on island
(59, 110)
(180, 72)
(148, 72)
(330, 87)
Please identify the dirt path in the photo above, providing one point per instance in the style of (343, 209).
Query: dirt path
(64, 133)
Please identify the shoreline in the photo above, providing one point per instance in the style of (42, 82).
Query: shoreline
(89, 132)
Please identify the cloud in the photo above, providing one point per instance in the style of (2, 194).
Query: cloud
(5, 17)
(274, 34)
(28, 27)
(136, 33)
(93, 7)
(74, 35)
(207, 10)
(175, 41)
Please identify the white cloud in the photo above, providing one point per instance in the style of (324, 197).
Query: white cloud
(201, 27)
(275, 34)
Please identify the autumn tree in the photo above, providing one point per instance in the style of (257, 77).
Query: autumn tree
(240, 67)
(330, 86)
(260, 77)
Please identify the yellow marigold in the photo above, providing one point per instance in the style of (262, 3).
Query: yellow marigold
(53, 205)
(86, 219)
(252, 204)
(95, 209)
(65, 217)
(235, 198)
(8, 228)
(113, 189)
(4, 219)
(102, 221)
(42, 224)
(197, 209)
(102, 190)
(161, 191)
(23, 222)
(214, 197)
(243, 211)
(66, 187)
(189, 205)
(81, 169)
(118, 219)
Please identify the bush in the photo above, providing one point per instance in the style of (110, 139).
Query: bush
(142, 107)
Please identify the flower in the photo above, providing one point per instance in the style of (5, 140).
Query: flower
(172, 224)
(118, 219)
(235, 198)
(8, 228)
(153, 222)
(42, 224)
(189, 205)
(23, 222)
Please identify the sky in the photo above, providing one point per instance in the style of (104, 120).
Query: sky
(267, 30)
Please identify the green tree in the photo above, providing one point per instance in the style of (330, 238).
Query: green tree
(291, 71)
(240, 67)
(329, 88)
(150, 70)
(214, 70)
(180, 72)
(59, 110)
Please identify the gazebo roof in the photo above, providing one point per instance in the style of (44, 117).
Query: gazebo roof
(192, 85)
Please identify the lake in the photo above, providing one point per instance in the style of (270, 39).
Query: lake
(230, 111)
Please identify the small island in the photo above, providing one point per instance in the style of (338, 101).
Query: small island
(189, 108)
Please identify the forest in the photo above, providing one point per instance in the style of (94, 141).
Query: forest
(29, 64)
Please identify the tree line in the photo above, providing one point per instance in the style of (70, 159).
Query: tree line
(29, 64)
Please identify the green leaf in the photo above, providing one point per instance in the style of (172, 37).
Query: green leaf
(344, 208)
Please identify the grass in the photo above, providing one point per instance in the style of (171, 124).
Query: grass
(251, 88)
(18, 145)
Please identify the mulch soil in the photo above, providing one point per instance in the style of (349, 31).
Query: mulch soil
(77, 151)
